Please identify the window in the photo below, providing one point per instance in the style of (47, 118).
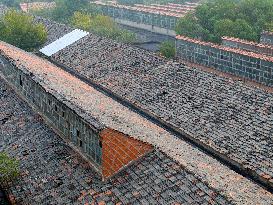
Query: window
(49, 101)
(258, 65)
(21, 80)
(63, 114)
(221, 56)
(56, 108)
(80, 143)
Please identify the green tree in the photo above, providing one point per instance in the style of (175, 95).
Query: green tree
(189, 26)
(239, 29)
(167, 49)
(102, 26)
(82, 21)
(66, 8)
(9, 170)
(236, 18)
(19, 29)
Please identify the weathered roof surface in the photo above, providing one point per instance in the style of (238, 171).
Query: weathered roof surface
(141, 9)
(36, 6)
(251, 43)
(120, 118)
(52, 173)
(226, 115)
(54, 30)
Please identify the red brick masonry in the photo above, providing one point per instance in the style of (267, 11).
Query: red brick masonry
(118, 150)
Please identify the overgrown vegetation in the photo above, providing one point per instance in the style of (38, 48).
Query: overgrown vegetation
(167, 49)
(81, 14)
(244, 19)
(101, 25)
(9, 170)
(18, 29)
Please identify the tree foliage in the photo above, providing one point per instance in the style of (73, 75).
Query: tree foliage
(101, 25)
(9, 169)
(244, 19)
(19, 30)
(167, 49)
(66, 8)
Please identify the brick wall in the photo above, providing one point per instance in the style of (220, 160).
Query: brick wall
(267, 38)
(107, 149)
(244, 64)
(247, 45)
(66, 121)
(119, 150)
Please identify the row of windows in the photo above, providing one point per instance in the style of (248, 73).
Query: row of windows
(68, 123)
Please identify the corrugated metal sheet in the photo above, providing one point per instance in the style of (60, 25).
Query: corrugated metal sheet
(63, 42)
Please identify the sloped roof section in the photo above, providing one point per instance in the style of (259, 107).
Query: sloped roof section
(63, 42)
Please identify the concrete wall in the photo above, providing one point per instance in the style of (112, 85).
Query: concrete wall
(71, 126)
(152, 22)
(267, 38)
(227, 61)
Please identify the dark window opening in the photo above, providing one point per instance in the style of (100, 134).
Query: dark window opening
(56, 108)
(222, 57)
(100, 144)
(258, 66)
(78, 133)
(21, 81)
(63, 114)
(80, 143)
(49, 102)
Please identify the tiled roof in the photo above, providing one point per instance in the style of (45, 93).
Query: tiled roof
(172, 92)
(112, 114)
(36, 6)
(141, 9)
(238, 40)
(54, 30)
(52, 173)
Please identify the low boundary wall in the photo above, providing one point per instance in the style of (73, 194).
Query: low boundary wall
(256, 67)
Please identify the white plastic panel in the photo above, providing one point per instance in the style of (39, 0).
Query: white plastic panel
(63, 42)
